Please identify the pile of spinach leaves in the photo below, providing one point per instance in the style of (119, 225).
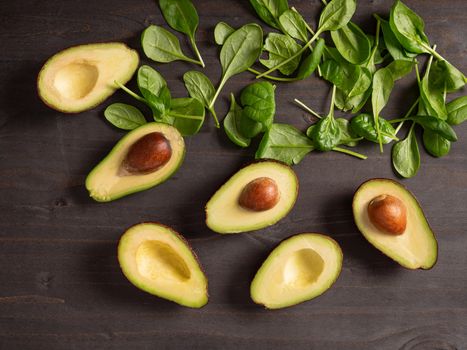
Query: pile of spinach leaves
(363, 70)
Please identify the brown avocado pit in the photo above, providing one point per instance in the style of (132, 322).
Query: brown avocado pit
(260, 194)
(388, 214)
(149, 153)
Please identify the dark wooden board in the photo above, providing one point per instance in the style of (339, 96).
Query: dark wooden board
(60, 283)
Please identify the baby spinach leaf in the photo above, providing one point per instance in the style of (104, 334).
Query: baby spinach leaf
(311, 62)
(124, 116)
(293, 24)
(249, 127)
(444, 76)
(281, 47)
(348, 137)
(433, 98)
(436, 125)
(343, 75)
(352, 43)
(240, 50)
(159, 104)
(336, 14)
(285, 143)
(408, 28)
(231, 123)
(187, 115)
(200, 87)
(435, 144)
(395, 49)
(381, 90)
(162, 46)
(457, 110)
(150, 82)
(181, 15)
(363, 125)
(326, 134)
(400, 68)
(406, 156)
(221, 32)
(270, 10)
(258, 102)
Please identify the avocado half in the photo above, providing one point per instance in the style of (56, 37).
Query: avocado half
(417, 246)
(81, 77)
(157, 260)
(224, 214)
(300, 268)
(109, 180)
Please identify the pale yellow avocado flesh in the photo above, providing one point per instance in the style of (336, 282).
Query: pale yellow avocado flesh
(225, 215)
(417, 246)
(109, 181)
(300, 268)
(157, 260)
(81, 77)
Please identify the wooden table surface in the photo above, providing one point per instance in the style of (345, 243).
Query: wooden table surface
(60, 283)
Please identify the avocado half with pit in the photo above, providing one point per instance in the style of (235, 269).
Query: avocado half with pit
(157, 260)
(300, 268)
(81, 77)
(390, 218)
(143, 158)
(257, 196)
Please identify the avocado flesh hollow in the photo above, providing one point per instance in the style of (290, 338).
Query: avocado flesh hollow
(159, 261)
(300, 268)
(417, 246)
(109, 180)
(224, 214)
(81, 77)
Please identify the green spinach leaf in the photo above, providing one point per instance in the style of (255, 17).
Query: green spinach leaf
(363, 125)
(435, 144)
(150, 82)
(457, 110)
(162, 46)
(408, 28)
(258, 102)
(124, 116)
(352, 43)
(436, 125)
(280, 48)
(200, 87)
(311, 62)
(395, 49)
(382, 86)
(406, 156)
(336, 14)
(231, 124)
(186, 114)
(181, 15)
(270, 10)
(445, 77)
(285, 143)
(400, 68)
(222, 32)
(293, 24)
(240, 50)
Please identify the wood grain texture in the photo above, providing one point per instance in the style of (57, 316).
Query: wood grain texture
(60, 284)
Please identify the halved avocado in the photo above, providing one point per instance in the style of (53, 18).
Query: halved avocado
(416, 246)
(157, 260)
(300, 268)
(225, 212)
(81, 77)
(111, 179)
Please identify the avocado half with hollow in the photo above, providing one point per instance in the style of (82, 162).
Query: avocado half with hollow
(157, 260)
(81, 77)
(300, 268)
(143, 158)
(391, 219)
(255, 197)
